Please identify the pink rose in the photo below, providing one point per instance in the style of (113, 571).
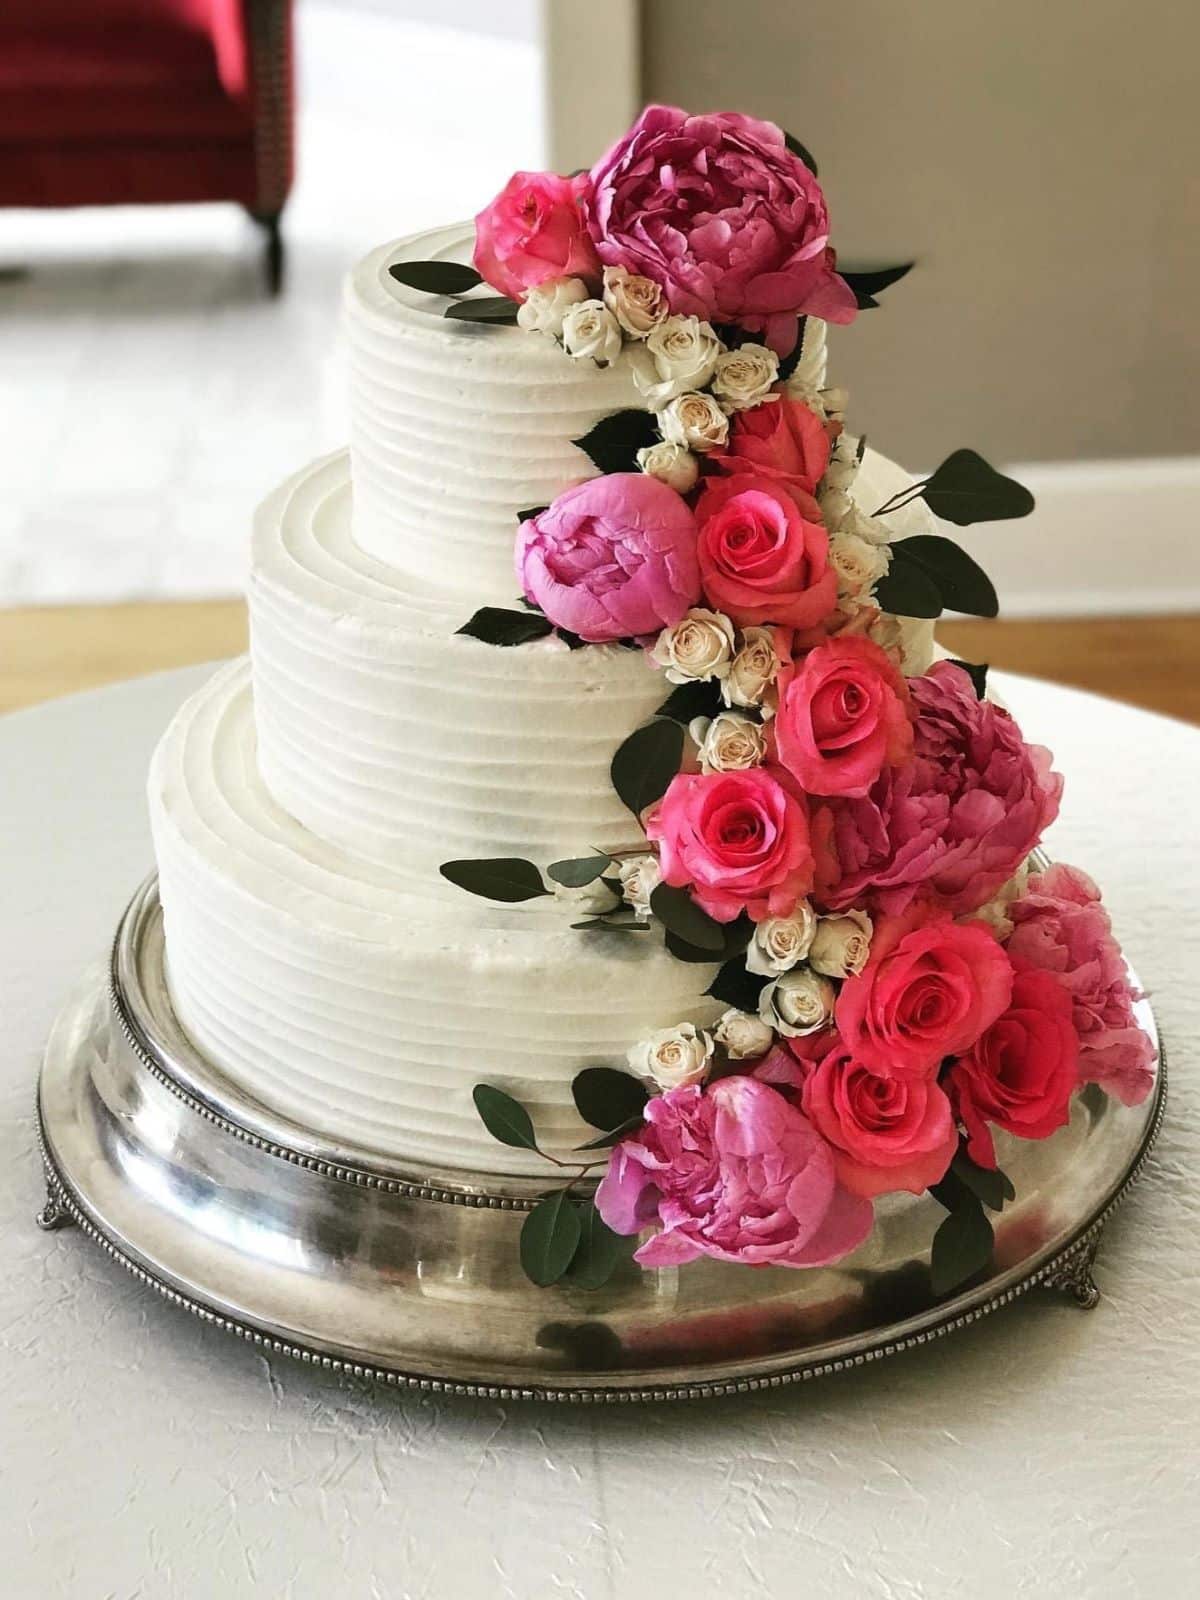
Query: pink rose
(612, 558)
(844, 714)
(1022, 1072)
(733, 1172)
(533, 230)
(1061, 928)
(785, 439)
(929, 989)
(739, 840)
(887, 1133)
(719, 212)
(955, 822)
(764, 556)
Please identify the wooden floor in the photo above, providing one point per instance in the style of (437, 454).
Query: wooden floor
(44, 652)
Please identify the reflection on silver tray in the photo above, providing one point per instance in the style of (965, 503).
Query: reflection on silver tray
(337, 1256)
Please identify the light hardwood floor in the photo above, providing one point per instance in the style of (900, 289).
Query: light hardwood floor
(48, 651)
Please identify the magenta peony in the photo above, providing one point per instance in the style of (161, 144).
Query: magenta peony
(612, 558)
(1060, 928)
(733, 1172)
(951, 825)
(739, 840)
(1022, 1072)
(843, 716)
(929, 990)
(764, 556)
(719, 212)
(534, 230)
(785, 439)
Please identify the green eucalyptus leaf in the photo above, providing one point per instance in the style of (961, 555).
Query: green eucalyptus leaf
(614, 442)
(597, 1253)
(960, 581)
(962, 1247)
(504, 1118)
(605, 1141)
(646, 762)
(505, 878)
(988, 1184)
(529, 513)
(977, 672)
(680, 914)
(966, 489)
(549, 1238)
(606, 1097)
(436, 277)
(695, 699)
(798, 149)
(736, 987)
(789, 362)
(578, 872)
(489, 308)
(906, 590)
(495, 625)
(867, 282)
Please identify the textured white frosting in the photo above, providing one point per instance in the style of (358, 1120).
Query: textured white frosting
(367, 1002)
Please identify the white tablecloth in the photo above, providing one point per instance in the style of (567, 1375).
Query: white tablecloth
(1046, 1451)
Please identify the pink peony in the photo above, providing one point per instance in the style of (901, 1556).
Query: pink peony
(738, 839)
(719, 212)
(612, 558)
(534, 230)
(955, 822)
(764, 556)
(930, 988)
(733, 1172)
(1022, 1072)
(785, 439)
(1061, 928)
(844, 714)
(887, 1133)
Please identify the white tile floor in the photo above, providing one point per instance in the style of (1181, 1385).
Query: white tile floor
(149, 393)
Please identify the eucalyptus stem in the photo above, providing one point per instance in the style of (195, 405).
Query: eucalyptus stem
(902, 498)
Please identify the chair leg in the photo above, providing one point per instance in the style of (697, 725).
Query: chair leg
(273, 250)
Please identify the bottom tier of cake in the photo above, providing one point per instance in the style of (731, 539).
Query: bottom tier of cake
(366, 1003)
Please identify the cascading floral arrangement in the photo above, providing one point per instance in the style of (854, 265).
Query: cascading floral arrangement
(836, 823)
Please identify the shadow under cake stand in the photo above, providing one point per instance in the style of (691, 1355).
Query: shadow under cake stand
(340, 1258)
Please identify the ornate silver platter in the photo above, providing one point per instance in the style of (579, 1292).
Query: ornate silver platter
(334, 1256)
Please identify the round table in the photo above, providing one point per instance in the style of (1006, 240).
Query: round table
(1046, 1450)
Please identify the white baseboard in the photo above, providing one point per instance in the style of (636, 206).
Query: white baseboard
(1107, 538)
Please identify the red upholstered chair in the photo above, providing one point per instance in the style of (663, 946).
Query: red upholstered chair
(142, 102)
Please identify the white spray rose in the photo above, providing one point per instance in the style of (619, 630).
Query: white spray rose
(640, 876)
(859, 564)
(671, 464)
(546, 304)
(836, 505)
(753, 670)
(744, 376)
(673, 1057)
(834, 402)
(907, 640)
(743, 1036)
(798, 1003)
(637, 303)
(781, 943)
(697, 648)
(678, 355)
(694, 420)
(729, 742)
(590, 329)
(841, 945)
(843, 463)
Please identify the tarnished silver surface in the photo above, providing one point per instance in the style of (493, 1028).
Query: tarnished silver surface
(335, 1256)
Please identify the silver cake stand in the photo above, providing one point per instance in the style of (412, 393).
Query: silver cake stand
(339, 1258)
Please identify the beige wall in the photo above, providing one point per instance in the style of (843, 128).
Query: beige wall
(1041, 158)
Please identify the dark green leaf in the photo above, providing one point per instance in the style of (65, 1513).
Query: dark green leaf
(614, 442)
(737, 987)
(531, 511)
(645, 764)
(614, 1135)
(988, 1184)
(615, 921)
(597, 1254)
(506, 878)
(966, 489)
(605, 1098)
(907, 591)
(680, 914)
(789, 362)
(549, 1238)
(435, 277)
(962, 1247)
(490, 308)
(495, 625)
(798, 149)
(961, 582)
(579, 872)
(690, 700)
(504, 1118)
(867, 282)
(860, 450)
(976, 673)
(683, 951)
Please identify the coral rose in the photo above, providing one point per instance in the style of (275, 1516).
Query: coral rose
(719, 211)
(1022, 1072)
(930, 988)
(734, 1172)
(532, 231)
(1060, 928)
(887, 1133)
(785, 440)
(955, 822)
(764, 556)
(739, 840)
(844, 714)
(612, 558)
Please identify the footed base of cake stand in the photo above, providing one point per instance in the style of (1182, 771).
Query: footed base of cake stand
(343, 1260)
